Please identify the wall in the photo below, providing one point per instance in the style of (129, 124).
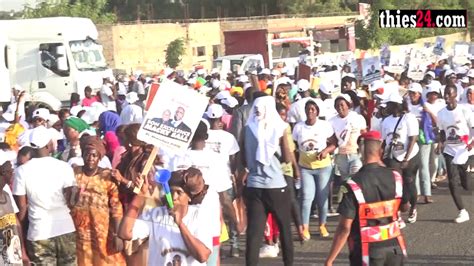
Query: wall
(142, 46)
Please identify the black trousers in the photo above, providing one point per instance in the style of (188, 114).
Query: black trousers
(409, 177)
(259, 203)
(456, 174)
(295, 206)
(386, 256)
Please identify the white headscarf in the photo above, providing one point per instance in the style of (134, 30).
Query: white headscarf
(268, 127)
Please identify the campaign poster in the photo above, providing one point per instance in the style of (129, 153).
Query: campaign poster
(345, 58)
(356, 68)
(173, 117)
(471, 49)
(385, 55)
(370, 70)
(332, 77)
(461, 53)
(416, 69)
(438, 48)
(397, 63)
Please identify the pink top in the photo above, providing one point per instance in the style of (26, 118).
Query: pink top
(117, 156)
(226, 119)
(88, 102)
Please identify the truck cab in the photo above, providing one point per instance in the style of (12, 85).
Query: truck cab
(239, 63)
(51, 58)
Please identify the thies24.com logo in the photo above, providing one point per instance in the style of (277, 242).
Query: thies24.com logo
(422, 18)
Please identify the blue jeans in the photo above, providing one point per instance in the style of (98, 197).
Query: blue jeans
(315, 183)
(424, 173)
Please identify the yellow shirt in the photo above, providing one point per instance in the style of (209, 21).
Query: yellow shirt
(287, 168)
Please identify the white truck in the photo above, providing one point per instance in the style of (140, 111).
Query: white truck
(50, 58)
(239, 63)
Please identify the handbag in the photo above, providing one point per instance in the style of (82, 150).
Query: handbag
(390, 148)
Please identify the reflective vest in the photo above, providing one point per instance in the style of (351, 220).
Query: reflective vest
(378, 210)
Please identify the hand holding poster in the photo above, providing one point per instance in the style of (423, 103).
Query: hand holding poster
(438, 49)
(385, 55)
(173, 117)
(370, 70)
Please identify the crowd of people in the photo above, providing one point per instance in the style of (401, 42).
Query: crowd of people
(271, 149)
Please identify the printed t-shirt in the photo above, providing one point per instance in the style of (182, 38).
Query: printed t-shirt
(407, 127)
(10, 244)
(456, 124)
(347, 131)
(167, 246)
(311, 140)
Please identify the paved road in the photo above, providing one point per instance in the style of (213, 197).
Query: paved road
(433, 240)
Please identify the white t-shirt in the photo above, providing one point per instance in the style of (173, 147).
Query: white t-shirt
(105, 93)
(42, 180)
(210, 210)
(167, 246)
(347, 131)
(407, 127)
(327, 109)
(456, 124)
(312, 138)
(211, 164)
(415, 109)
(7, 189)
(223, 143)
(132, 113)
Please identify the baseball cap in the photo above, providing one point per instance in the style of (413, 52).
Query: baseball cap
(372, 135)
(303, 85)
(465, 80)
(430, 73)
(275, 72)
(265, 71)
(214, 111)
(231, 102)
(40, 137)
(344, 96)
(201, 72)
(244, 78)
(223, 95)
(449, 72)
(415, 87)
(470, 74)
(378, 84)
(132, 97)
(394, 98)
(433, 88)
(326, 88)
(6, 156)
(42, 113)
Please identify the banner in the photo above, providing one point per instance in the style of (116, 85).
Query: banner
(370, 70)
(438, 48)
(461, 53)
(397, 63)
(173, 117)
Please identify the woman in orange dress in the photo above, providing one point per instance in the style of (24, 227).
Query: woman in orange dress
(97, 211)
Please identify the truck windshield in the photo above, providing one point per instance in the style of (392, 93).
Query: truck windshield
(88, 55)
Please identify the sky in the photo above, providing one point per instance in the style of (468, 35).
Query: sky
(17, 5)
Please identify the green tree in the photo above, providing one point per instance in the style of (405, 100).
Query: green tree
(174, 52)
(95, 10)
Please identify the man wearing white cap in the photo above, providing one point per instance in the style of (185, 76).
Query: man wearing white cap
(455, 123)
(224, 144)
(43, 187)
(470, 75)
(325, 93)
(400, 134)
(132, 113)
(297, 113)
